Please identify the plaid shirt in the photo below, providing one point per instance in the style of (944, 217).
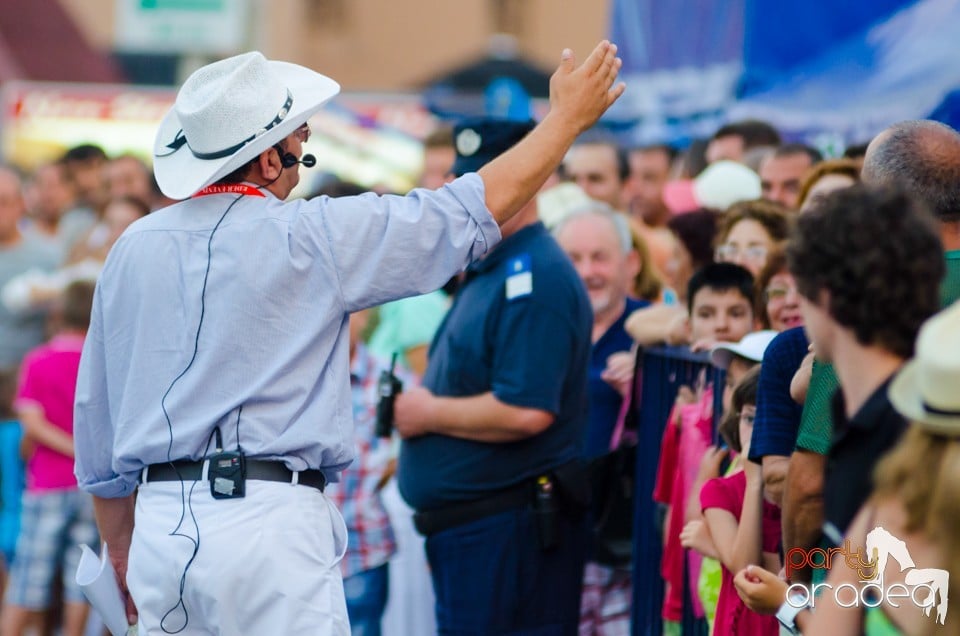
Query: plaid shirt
(370, 541)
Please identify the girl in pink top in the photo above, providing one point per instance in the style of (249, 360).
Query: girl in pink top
(740, 525)
(55, 516)
(45, 405)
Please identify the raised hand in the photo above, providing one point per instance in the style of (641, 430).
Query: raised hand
(578, 96)
(581, 94)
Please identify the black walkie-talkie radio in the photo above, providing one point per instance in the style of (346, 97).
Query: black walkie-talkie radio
(388, 387)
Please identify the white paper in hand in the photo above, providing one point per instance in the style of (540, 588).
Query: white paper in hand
(98, 581)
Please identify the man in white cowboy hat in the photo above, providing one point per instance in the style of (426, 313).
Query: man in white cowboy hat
(214, 383)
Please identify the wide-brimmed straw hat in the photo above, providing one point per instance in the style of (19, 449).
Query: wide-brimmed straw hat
(227, 113)
(927, 389)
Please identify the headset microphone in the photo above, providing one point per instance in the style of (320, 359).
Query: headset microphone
(289, 160)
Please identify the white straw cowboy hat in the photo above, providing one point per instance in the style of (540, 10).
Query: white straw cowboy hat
(927, 389)
(227, 113)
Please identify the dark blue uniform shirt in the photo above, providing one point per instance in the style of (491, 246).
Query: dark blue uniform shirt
(605, 401)
(519, 327)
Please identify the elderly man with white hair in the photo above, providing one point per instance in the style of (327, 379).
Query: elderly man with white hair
(598, 241)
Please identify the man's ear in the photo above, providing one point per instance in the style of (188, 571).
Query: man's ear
(268, 164)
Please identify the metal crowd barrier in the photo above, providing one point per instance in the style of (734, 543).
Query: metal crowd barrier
(665, 369)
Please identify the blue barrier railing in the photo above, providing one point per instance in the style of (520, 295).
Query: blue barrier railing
(664, 370)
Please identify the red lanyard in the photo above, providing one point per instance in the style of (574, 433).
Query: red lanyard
(230, 188)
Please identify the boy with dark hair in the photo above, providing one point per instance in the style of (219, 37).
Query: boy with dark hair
(719, 300)
(719, 304)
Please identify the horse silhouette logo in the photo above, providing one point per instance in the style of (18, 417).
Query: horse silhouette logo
(883, 546)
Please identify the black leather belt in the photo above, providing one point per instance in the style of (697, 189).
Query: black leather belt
(256, 469)
(430, 522)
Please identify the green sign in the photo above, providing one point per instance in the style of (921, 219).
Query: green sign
(181, 5)
(204, 27)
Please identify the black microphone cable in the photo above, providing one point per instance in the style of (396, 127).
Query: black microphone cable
(186, 500)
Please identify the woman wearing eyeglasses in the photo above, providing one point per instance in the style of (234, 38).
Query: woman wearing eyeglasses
(778, 303)
(748, 233)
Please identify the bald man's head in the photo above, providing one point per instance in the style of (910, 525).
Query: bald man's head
(922, 158)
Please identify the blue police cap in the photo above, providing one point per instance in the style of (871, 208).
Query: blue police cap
(478, 140)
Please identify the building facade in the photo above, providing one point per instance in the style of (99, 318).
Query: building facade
(383, 45)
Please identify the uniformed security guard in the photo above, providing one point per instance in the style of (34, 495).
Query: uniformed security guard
(491, 439)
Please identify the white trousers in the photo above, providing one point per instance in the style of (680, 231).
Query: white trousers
(266, 564)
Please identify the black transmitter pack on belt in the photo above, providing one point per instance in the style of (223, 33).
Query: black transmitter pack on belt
(228, 475)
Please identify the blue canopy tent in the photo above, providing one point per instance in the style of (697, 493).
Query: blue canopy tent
(902, 67)
(681, 62)
(822, 72)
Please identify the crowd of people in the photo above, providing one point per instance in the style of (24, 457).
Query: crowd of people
(57, 225)
(517, 290)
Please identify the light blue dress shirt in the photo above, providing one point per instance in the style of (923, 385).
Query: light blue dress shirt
(283, 278)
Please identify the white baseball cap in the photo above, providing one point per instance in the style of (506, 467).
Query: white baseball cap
(751, 347)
